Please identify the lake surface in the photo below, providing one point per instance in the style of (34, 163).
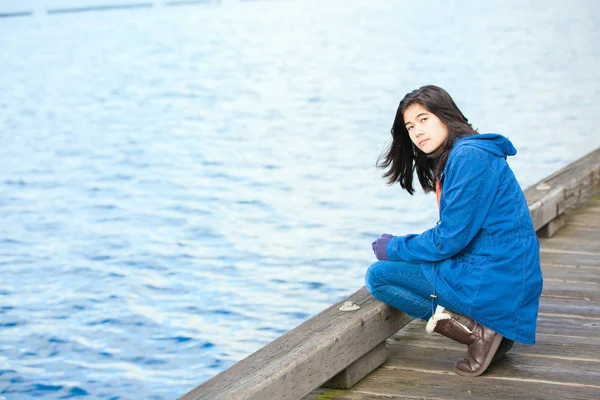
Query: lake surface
(181, 185)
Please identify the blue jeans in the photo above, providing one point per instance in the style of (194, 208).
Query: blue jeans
(403, 286)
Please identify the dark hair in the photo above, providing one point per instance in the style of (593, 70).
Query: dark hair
(402, 157)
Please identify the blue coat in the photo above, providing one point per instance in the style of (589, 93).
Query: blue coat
(483, 255)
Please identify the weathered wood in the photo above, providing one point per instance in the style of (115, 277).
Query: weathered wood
(552, 365)
(585, 234)
(568, 326)
(394, 383)
(546, 208)
(571, 291)
(577, 307)
(569, 177)
(580, 343)
(308, 355)
(584, 371)
(557, 347)
(564, 345)
(359, 369)
(586, 217)
(570, 245)
(552, 227)
(548, 325)
(571, 273)
(550, 255)
(563, 190)
(582, 237)
(574, 282)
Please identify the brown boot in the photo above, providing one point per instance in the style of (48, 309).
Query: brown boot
(504, 347)
(483, 342)
(480, 352)
(452, 325)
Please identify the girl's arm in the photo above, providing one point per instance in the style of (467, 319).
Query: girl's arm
(469, 189)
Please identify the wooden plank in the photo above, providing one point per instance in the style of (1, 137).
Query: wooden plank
(562, 348)
(587, 234)
(552, 365)
(587, 344)
(579, 190)
(566, 189)
(571, 273)
(552, 227)
(583, 224)
(568, 326)
(559, 345)
(576, 307)
(569, 176)
(547, 207)
(397, 383)
(549, 255)
(308, 355)
(576, 370)
(570, 245)
(574, 245)
(593, 204)
(576, 290)
(359, 369)
(585, 217)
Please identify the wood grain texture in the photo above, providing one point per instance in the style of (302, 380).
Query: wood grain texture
(392, 383)
(420, 366)
(565, 256)
(576, 307)
(570, 177)
(569, 187)
(552, 227)
(307, 356)
(571, 273)
(585, 234)
(359, 369)
(546, 343)
(571, 290)
(568, 325)
(580, 371)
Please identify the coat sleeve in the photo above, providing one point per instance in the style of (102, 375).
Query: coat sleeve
(469, 189)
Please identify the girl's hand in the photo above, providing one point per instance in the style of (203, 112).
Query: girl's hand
(379, 246)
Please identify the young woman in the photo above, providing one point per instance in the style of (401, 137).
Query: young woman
(476, 274)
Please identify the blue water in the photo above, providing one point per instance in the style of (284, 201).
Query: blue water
(181, 185)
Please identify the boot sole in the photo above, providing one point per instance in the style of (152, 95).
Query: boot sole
(504, 348)
(488, 360)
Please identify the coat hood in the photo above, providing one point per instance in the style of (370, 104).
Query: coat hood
(491, 142)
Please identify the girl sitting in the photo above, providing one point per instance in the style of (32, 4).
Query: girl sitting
(477, 272)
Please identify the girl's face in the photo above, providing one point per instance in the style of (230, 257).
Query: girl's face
(425, 129)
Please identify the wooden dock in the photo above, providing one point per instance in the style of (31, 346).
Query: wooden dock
(371, 351)
(563, 364)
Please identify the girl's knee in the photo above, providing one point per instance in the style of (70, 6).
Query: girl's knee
(373, 275)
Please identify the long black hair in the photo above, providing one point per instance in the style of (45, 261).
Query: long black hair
(403, 158)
